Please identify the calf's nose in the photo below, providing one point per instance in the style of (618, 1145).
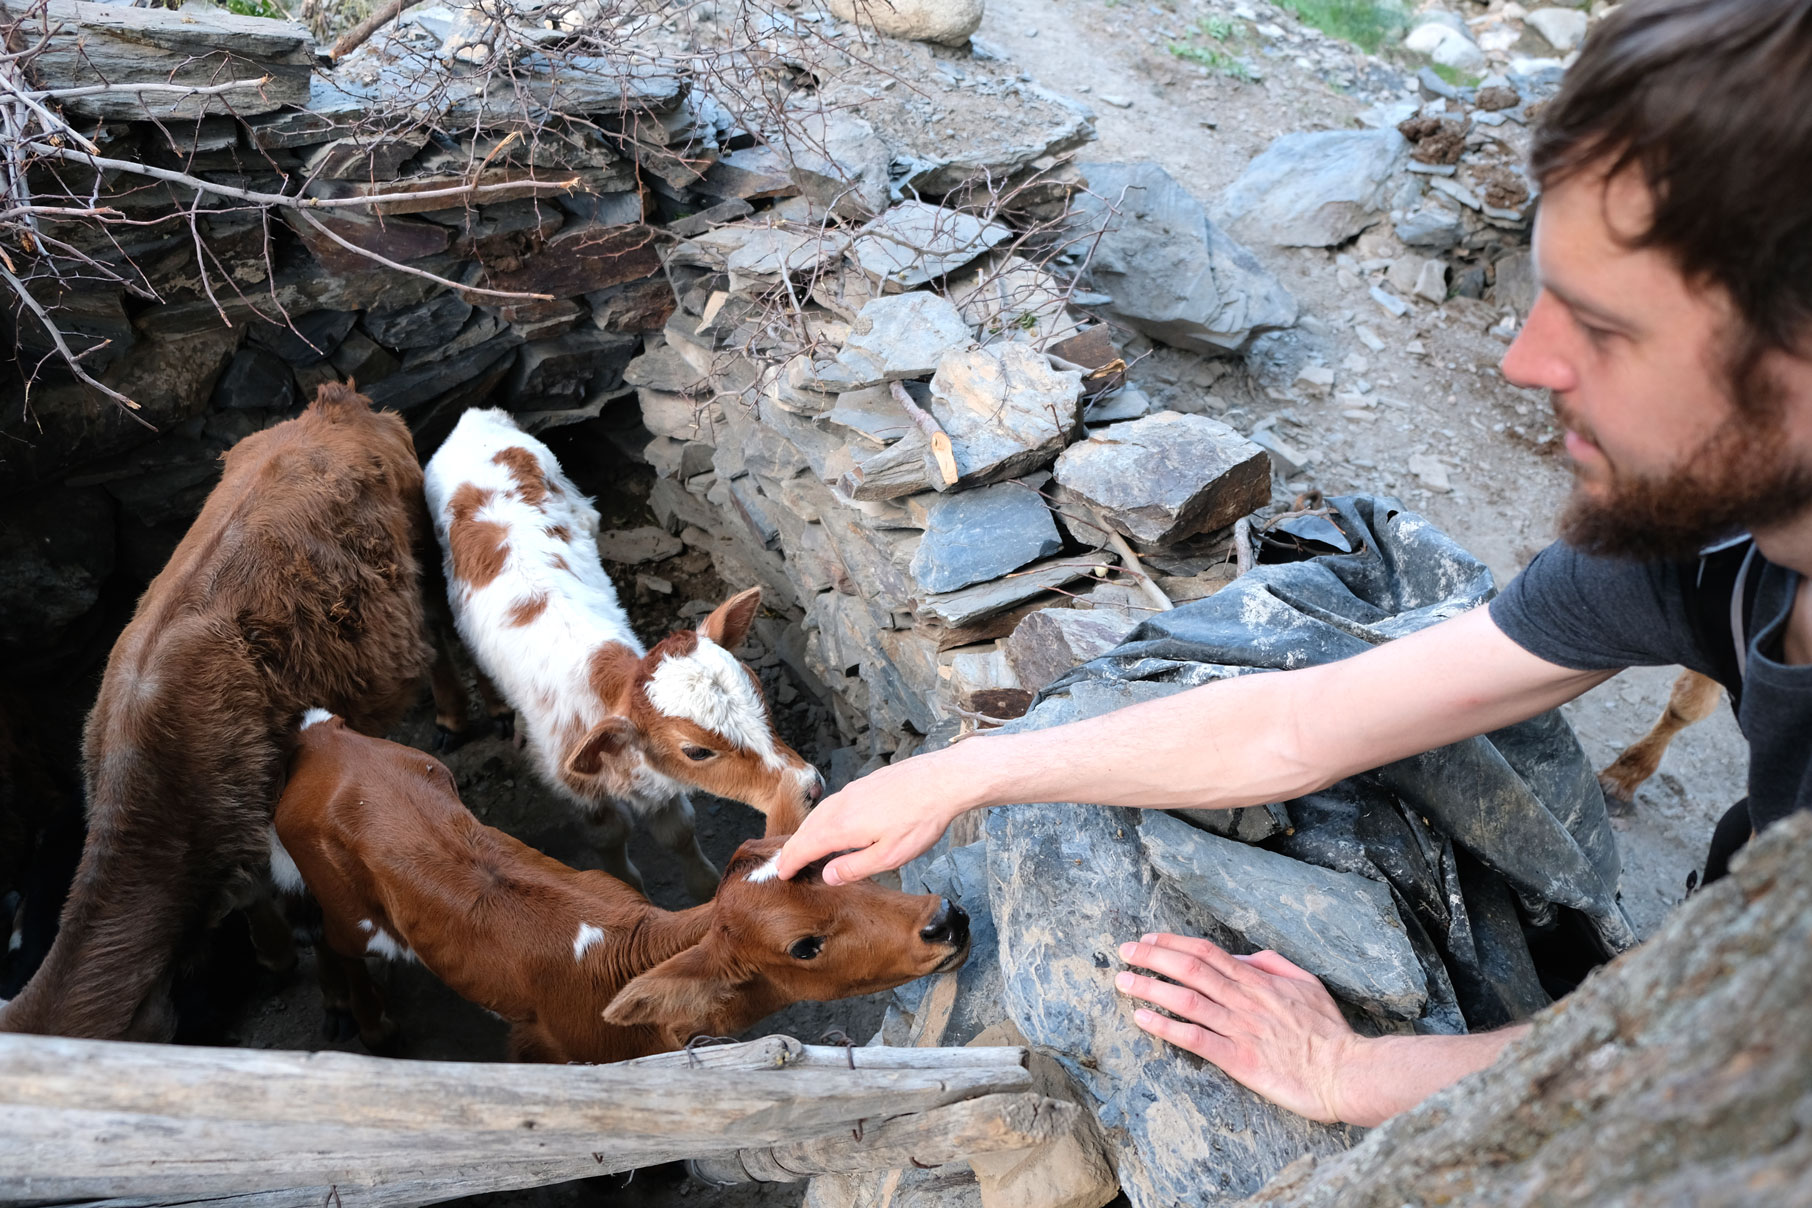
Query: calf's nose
(950, 925)
(814, 788)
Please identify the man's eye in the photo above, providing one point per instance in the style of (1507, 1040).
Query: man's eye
(698, 754)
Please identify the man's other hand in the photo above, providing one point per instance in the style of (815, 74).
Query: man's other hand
(1269, 1025)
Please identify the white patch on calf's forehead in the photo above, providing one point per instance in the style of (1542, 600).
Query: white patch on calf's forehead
(315, 715)
(710, 689)
(588, 935)
(769, 871)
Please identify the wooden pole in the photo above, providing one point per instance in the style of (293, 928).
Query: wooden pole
(91, 1119)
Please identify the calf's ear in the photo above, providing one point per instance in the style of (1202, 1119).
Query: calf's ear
(728, 624)
(685, 994)
(607, 739)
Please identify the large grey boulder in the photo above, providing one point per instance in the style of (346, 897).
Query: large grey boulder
(1172, 273)
(1007, 412)
(1341, 927)
(1167, 476)
(839, 162)
(901, 336)
(1314, 189)
(1068, 884)
(972, 536)
(947, 21)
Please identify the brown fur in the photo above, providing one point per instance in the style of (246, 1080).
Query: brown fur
(524, 612)
(1693, 698)
(378, 833)
(478, 547)
(297, 586)
(532, 486)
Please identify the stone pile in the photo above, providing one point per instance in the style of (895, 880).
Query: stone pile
(905, 433)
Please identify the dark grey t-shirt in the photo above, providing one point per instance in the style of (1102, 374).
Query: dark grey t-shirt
(1591, 613)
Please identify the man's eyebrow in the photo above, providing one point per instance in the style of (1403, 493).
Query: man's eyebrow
(1591, 310)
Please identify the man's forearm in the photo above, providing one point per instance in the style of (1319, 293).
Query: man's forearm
(1389, 1074)
(1271, 736)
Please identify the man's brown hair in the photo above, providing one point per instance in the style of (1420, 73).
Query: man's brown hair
(1711, 100)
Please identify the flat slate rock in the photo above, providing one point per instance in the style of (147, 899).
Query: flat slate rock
(1172, 273)
(916, 242)
(901, 336)
(1314, 189)
(423, 325)
(1006, 411)
(1052, 640)
(973, 536)
(638, 545)
(1342, 928)
(1068, 884)
(1167, 476)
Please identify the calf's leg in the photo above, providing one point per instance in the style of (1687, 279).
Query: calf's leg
(675, 828)
(1693, 698)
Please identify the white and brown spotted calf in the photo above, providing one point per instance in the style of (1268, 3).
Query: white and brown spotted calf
(619, 731)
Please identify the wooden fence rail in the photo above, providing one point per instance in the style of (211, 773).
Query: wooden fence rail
(137, 1126)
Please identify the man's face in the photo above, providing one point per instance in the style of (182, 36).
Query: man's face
(1638, 360)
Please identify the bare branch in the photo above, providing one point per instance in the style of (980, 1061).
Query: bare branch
(72, 358)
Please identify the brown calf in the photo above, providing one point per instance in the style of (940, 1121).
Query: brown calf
(582, 966)
(296, 585)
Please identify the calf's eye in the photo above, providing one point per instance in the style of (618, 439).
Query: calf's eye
(807, 948)
(698, 754)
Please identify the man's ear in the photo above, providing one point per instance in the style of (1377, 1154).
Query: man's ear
(607, 739)
(684, 995)
(729, 622)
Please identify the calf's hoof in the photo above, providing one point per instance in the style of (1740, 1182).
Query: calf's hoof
(504, 726)
(385, 1042)
(1619, 795)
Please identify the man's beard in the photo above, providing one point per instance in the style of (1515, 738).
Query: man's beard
(1743, 478)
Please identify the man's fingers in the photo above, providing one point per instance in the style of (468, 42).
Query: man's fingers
(1178, 1000)
(1199, 967)
(1206, 1044)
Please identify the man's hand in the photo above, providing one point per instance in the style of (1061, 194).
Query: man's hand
(1269, 1025)
(1274, 1029)
(881, 821)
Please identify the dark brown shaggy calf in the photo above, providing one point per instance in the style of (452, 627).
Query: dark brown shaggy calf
(297, 586)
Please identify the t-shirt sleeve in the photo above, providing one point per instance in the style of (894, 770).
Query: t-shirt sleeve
(1592, 613)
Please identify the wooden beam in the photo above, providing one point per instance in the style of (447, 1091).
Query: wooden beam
(91, 1119)
(990, 1124)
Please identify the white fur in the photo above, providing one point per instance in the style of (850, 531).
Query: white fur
(710, 689)
(283, 868)
(588, 935)
(767, 872)
(383, 944)
(315, 715)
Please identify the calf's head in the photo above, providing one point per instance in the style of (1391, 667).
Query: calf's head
(773, 943)
(693, 713)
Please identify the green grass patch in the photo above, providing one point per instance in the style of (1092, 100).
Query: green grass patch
(1207, 47)
(1454, 76)
(256, 8)
(1367, 24)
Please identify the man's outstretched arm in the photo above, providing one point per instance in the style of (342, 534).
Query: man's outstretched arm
(1241, 741)
(1274, 1029)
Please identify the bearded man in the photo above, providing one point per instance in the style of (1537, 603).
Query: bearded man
(1674, 332)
